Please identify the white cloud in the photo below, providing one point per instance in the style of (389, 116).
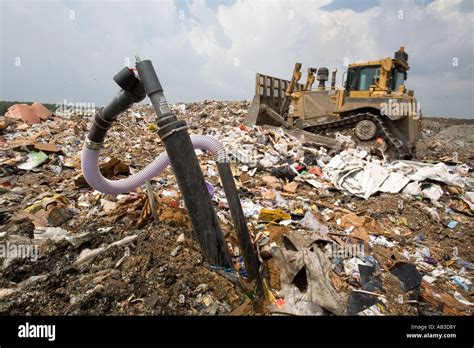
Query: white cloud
(215, 53)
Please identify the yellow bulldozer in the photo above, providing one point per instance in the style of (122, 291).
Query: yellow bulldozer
(373, 101)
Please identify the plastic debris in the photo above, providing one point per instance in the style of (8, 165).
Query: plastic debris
(462, 282)
(408, 275)
(286, 172)
(210, 189)
(433, 193)
(53, 233)
(35, 158)
(452, 224)
(310, 222)
(272, 216)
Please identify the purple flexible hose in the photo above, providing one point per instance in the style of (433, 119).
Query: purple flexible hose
(93, 176)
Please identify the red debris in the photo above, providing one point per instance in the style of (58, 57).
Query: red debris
(41, 111)
(31, 114)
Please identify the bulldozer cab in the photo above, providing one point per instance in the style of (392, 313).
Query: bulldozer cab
(380, 78)
(360, 79)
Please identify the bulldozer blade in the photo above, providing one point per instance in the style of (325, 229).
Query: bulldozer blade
(261, 114)
(252, 114)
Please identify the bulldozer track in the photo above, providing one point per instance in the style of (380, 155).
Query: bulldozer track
(384, 125)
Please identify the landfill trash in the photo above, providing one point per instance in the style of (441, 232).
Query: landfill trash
(462, 206)
(365, 273)
(447, 304)
(291, 187)
(465, 264)
(438, 172)
(430, 260)
(250, 209)
(32, 280)
(315, 170)
(272, 216)
(315, 183)
(310, 222)
(361, 226)
(296, 303)
(35, 158)
(307, 268)
(240, 266)
(286, 172)
(350, 172)
(358, 301)
(452, 224)
(462, 282)
(210, 189)
(408, 275)
(375, 310)
(356, 238)
(381, 240)
(47, 147)
(181, 238)
(469, 199)
(433, 193)
(412, 189)
(88, 255)
(6, 292)
(461, 299)
(53, 233)
(344, 140)
(175, 251)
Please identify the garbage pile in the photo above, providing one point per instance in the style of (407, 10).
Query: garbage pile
(448, 144)
(337, 229)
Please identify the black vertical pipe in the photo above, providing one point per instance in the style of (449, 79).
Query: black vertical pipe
(238, 216)
(187, 171)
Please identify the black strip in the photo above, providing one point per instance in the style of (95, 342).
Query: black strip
(313, 331)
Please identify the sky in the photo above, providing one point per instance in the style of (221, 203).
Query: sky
(52, 51)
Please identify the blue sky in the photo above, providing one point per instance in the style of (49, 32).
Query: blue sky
(52, 50)
(357, 6)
